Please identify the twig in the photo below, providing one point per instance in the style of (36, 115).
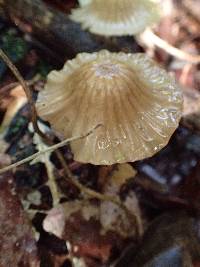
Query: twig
(149, 37)
(51, 183)
(26, 89)
(49, 149)
(56, 196)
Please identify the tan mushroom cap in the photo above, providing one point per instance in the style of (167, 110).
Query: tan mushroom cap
(138, 104)
(116, 17)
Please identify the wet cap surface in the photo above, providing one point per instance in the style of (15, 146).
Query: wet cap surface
(138, 104)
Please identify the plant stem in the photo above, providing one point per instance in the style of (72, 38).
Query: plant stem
(26, 89)
(149, 37)
(47, 150)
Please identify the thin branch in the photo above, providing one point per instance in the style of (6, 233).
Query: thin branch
(51, 183)
(26, 89)
(149, 37)
(47, 150)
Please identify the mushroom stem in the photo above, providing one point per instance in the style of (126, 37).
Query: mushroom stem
(149, 37)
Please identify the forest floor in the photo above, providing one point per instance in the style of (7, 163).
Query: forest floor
(41, 226)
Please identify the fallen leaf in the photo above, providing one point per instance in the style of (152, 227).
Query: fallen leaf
(55, 221)
(17, 99)
(82, 230)
(171, 240)
(113, 217)
(93, 229)
(17, 246)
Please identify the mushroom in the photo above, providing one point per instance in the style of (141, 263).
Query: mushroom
(116, 17)
(138, 104)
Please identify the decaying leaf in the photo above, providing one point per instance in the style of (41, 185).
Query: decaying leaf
(171, 240)
(120, 175)
(112, 217)
(13, 103)
(5, 159)
(93, 229)
(82, 229)
(55, 221)
(17, 246)
(74, 220)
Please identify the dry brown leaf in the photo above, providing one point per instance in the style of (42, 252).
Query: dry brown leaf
(120, 175)
(16, 101)
(17, 246)
(55, 221)
(94, 229)
(112, 217)
(82, 230)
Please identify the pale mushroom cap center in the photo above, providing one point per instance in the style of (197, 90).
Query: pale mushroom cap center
(106, 70)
